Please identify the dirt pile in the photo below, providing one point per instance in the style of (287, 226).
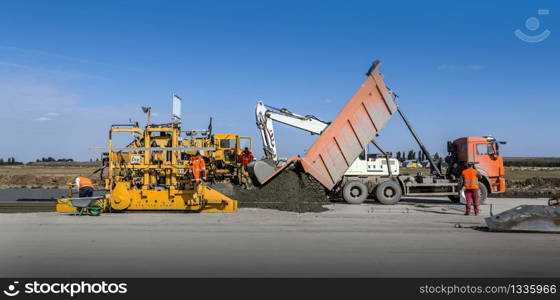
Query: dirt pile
(291, 190)
(535, 187)
(34, 181)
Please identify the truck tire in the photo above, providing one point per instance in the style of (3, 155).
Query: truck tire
(482, 193)
(388, 192)
(355, 192)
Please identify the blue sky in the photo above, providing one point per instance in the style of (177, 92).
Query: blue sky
(68, 69)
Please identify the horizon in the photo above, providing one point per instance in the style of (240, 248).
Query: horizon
(38, 160)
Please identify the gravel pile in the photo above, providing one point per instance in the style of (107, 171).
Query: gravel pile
(291, 190)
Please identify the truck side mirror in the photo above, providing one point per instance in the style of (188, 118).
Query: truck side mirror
(450, 147)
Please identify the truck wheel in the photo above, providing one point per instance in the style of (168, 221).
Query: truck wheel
(388, 192)
(482, 193)
(355, 192)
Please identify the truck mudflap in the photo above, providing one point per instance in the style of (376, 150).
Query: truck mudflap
(527, 218)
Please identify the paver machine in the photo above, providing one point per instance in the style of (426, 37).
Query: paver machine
(152, 172)
(224, 162)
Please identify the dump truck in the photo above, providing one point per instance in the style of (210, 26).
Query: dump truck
(360, 121)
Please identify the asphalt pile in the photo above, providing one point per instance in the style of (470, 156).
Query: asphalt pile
(291, 190)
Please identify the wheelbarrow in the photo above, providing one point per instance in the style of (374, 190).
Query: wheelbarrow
(92, 206)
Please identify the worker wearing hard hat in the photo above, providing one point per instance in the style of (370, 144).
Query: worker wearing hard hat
(198, 168)
(84, 186)
(470, 183)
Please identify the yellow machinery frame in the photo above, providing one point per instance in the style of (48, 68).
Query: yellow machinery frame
(221, 165)
(151, 173)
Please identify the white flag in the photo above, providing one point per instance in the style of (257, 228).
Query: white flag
(176, 116)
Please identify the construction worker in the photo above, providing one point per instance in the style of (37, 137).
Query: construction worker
(470, 183)
(198, 168)
(246, 158)
(84, 186)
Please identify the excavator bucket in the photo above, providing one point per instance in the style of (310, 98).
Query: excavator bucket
(365, 114)
(527, 218)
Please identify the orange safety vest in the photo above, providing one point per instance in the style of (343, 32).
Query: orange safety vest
(197, 165)
(84, 181)
(246, 158)
(191, 167)
(470, 178)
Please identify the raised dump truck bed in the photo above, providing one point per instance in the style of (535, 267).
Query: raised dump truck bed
(365, 114)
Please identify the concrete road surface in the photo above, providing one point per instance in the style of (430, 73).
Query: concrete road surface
(416, 238)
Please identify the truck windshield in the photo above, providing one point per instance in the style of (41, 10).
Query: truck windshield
(484, 149)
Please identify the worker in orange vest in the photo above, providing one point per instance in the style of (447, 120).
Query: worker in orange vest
(470, 183)
(198, 168)
(84, 186)
(246, 158)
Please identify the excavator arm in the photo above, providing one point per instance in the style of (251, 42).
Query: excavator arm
(265, 115)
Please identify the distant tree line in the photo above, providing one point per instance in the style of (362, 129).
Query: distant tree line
(414, 155)
(50, 159)
(10, 162)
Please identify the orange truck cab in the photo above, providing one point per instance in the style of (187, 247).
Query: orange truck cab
(485, 153)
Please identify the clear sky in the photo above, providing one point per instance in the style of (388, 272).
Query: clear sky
(69, 69)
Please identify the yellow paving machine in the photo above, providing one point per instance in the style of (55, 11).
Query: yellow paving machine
(152, 173)
(224, 156)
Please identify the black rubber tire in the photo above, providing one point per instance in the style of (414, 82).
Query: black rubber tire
(355, 192)
(483, 193)
(388, 192)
